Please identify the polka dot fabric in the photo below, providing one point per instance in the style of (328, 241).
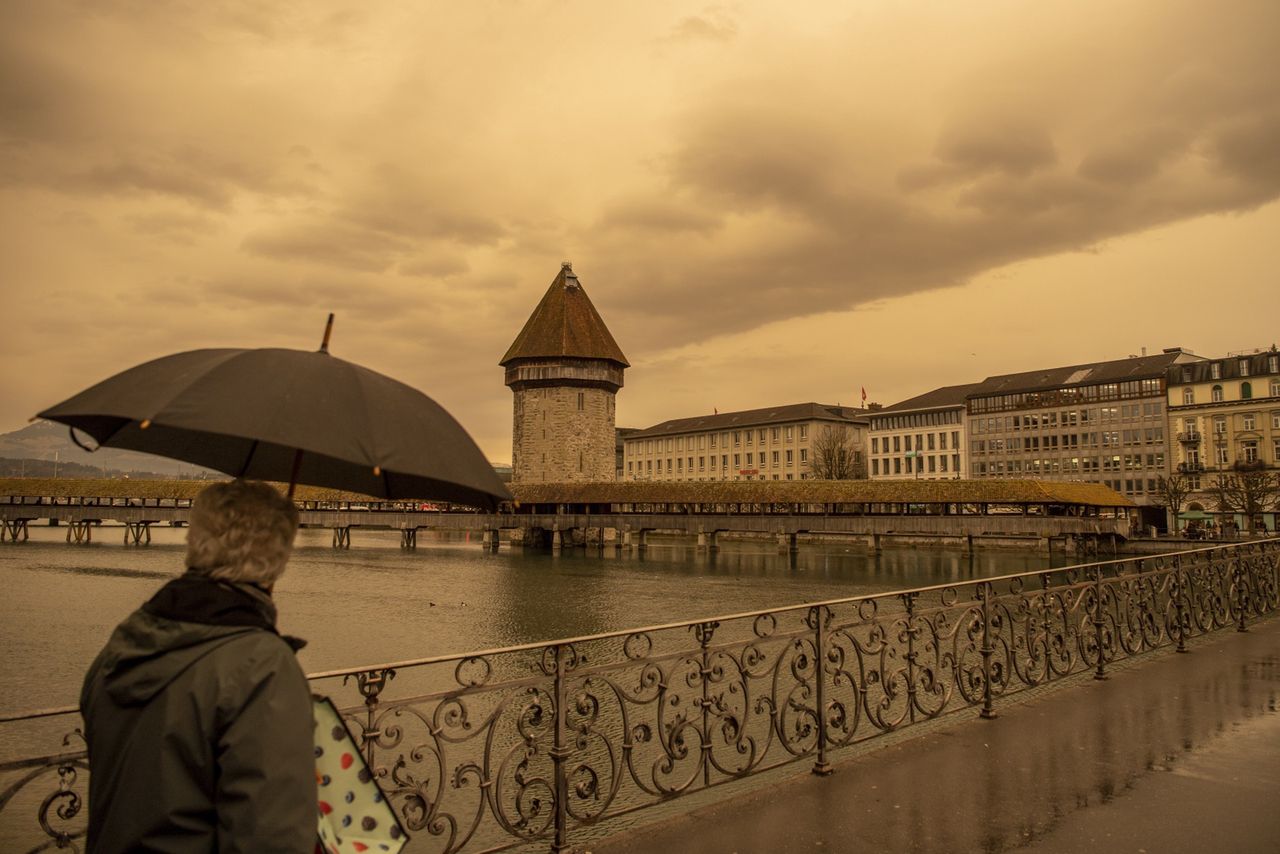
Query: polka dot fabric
(353, 815)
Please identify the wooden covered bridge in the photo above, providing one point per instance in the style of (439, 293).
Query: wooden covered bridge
(967, 513)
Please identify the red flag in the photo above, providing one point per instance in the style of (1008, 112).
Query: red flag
(864, 394)
(716, 411)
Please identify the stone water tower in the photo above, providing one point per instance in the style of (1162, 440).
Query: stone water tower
(564, 369)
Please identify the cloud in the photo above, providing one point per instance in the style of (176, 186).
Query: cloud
(713, 24)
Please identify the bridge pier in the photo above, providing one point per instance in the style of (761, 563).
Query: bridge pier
(490, 539)
(137, 533)
(409, 539)
(708, 540)
(80, 531)
(1046, 546)
(966, 545)
(14, 531)
(557, 539)
(342, 538)
(873, 543)
(788, 543)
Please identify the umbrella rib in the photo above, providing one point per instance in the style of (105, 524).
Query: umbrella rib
(253, 449)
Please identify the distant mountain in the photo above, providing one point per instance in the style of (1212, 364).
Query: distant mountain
(49, 446)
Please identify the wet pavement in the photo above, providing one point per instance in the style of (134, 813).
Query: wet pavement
(1174, 753)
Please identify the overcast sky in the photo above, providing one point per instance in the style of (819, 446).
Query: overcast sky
(768, 202)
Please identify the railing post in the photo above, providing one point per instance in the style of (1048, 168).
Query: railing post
(1242, 590)
(1100, 671)
(559, 753)
(821, 766)
(988, 711)
(911, 655)
(705, 631)
(1180, 601)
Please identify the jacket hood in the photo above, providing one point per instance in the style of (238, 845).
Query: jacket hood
(186, 620)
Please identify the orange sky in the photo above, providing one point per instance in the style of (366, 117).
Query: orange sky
(767, 202)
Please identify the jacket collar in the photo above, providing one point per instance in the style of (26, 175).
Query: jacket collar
(196, 598)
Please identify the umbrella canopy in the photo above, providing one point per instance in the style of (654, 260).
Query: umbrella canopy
(249, 413)
(1195, 515)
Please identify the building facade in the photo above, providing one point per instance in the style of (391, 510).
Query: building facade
(1103, 422)
(564, 370)
(1225, 414)
(776, 443)
(924, 437)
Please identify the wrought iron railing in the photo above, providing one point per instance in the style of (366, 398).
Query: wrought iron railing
(543, 742)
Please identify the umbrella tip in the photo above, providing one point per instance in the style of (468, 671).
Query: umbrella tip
(328, 330)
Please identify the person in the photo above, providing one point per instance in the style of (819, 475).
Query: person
(197, 715)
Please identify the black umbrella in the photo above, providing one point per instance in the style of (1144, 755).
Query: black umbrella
(290, 416)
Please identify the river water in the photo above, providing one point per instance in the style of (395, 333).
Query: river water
(377, 603)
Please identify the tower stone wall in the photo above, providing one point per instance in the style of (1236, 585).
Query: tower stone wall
(564, 370)
(562, 434)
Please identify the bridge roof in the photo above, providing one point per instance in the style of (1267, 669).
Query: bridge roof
(565, 325)
(823, 491)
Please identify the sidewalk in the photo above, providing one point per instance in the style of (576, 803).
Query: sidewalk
(1177, 753)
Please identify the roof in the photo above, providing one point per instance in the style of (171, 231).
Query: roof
(565, 325)
(823, 491)
(1092, 373)
(754, 417)
(940, 398)
(1228, 366)
(67, 487)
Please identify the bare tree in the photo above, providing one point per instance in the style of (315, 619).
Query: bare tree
(1249, 490)
(835, 456)
(1171, 494)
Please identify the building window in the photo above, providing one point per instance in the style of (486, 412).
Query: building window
(1275, 388)
(790, 454)
(582, 398)
(1222, 457)
(1250, 450)
(1220, 424)
(1215, 371)
(1246, 391)
(1244, 367)
(804, 431)
(1216, 394)
(786, 433)
(804, 455)
(1276, 450)
(774, 458)
(1249, 422)
(1188, 396)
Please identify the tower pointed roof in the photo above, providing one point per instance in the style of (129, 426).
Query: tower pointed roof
(565, 324)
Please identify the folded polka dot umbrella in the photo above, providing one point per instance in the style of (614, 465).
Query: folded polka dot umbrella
(354, 817)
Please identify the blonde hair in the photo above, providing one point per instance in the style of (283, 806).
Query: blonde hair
(241, 531)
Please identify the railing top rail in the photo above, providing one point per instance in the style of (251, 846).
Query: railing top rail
(723, 618)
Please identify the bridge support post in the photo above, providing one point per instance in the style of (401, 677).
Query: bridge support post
(642, 540)
(557, 539)
(966, 544)
(80, 531)
(702, 539)
(787, 543)
(1046, 546)
(342, 538)
(137, 533)
(409, 539)
(15, 530)
(873, 543)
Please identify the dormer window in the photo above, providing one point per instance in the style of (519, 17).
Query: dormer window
(1215, 371)
(1244, 367)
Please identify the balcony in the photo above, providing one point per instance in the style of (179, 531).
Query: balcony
(1190, 437)
(1190, 468)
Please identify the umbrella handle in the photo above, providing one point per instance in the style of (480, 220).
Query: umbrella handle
(297, 459)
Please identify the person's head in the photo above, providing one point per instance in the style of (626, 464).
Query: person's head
(241, 531)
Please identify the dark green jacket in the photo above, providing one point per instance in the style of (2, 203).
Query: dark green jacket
(199, 725)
